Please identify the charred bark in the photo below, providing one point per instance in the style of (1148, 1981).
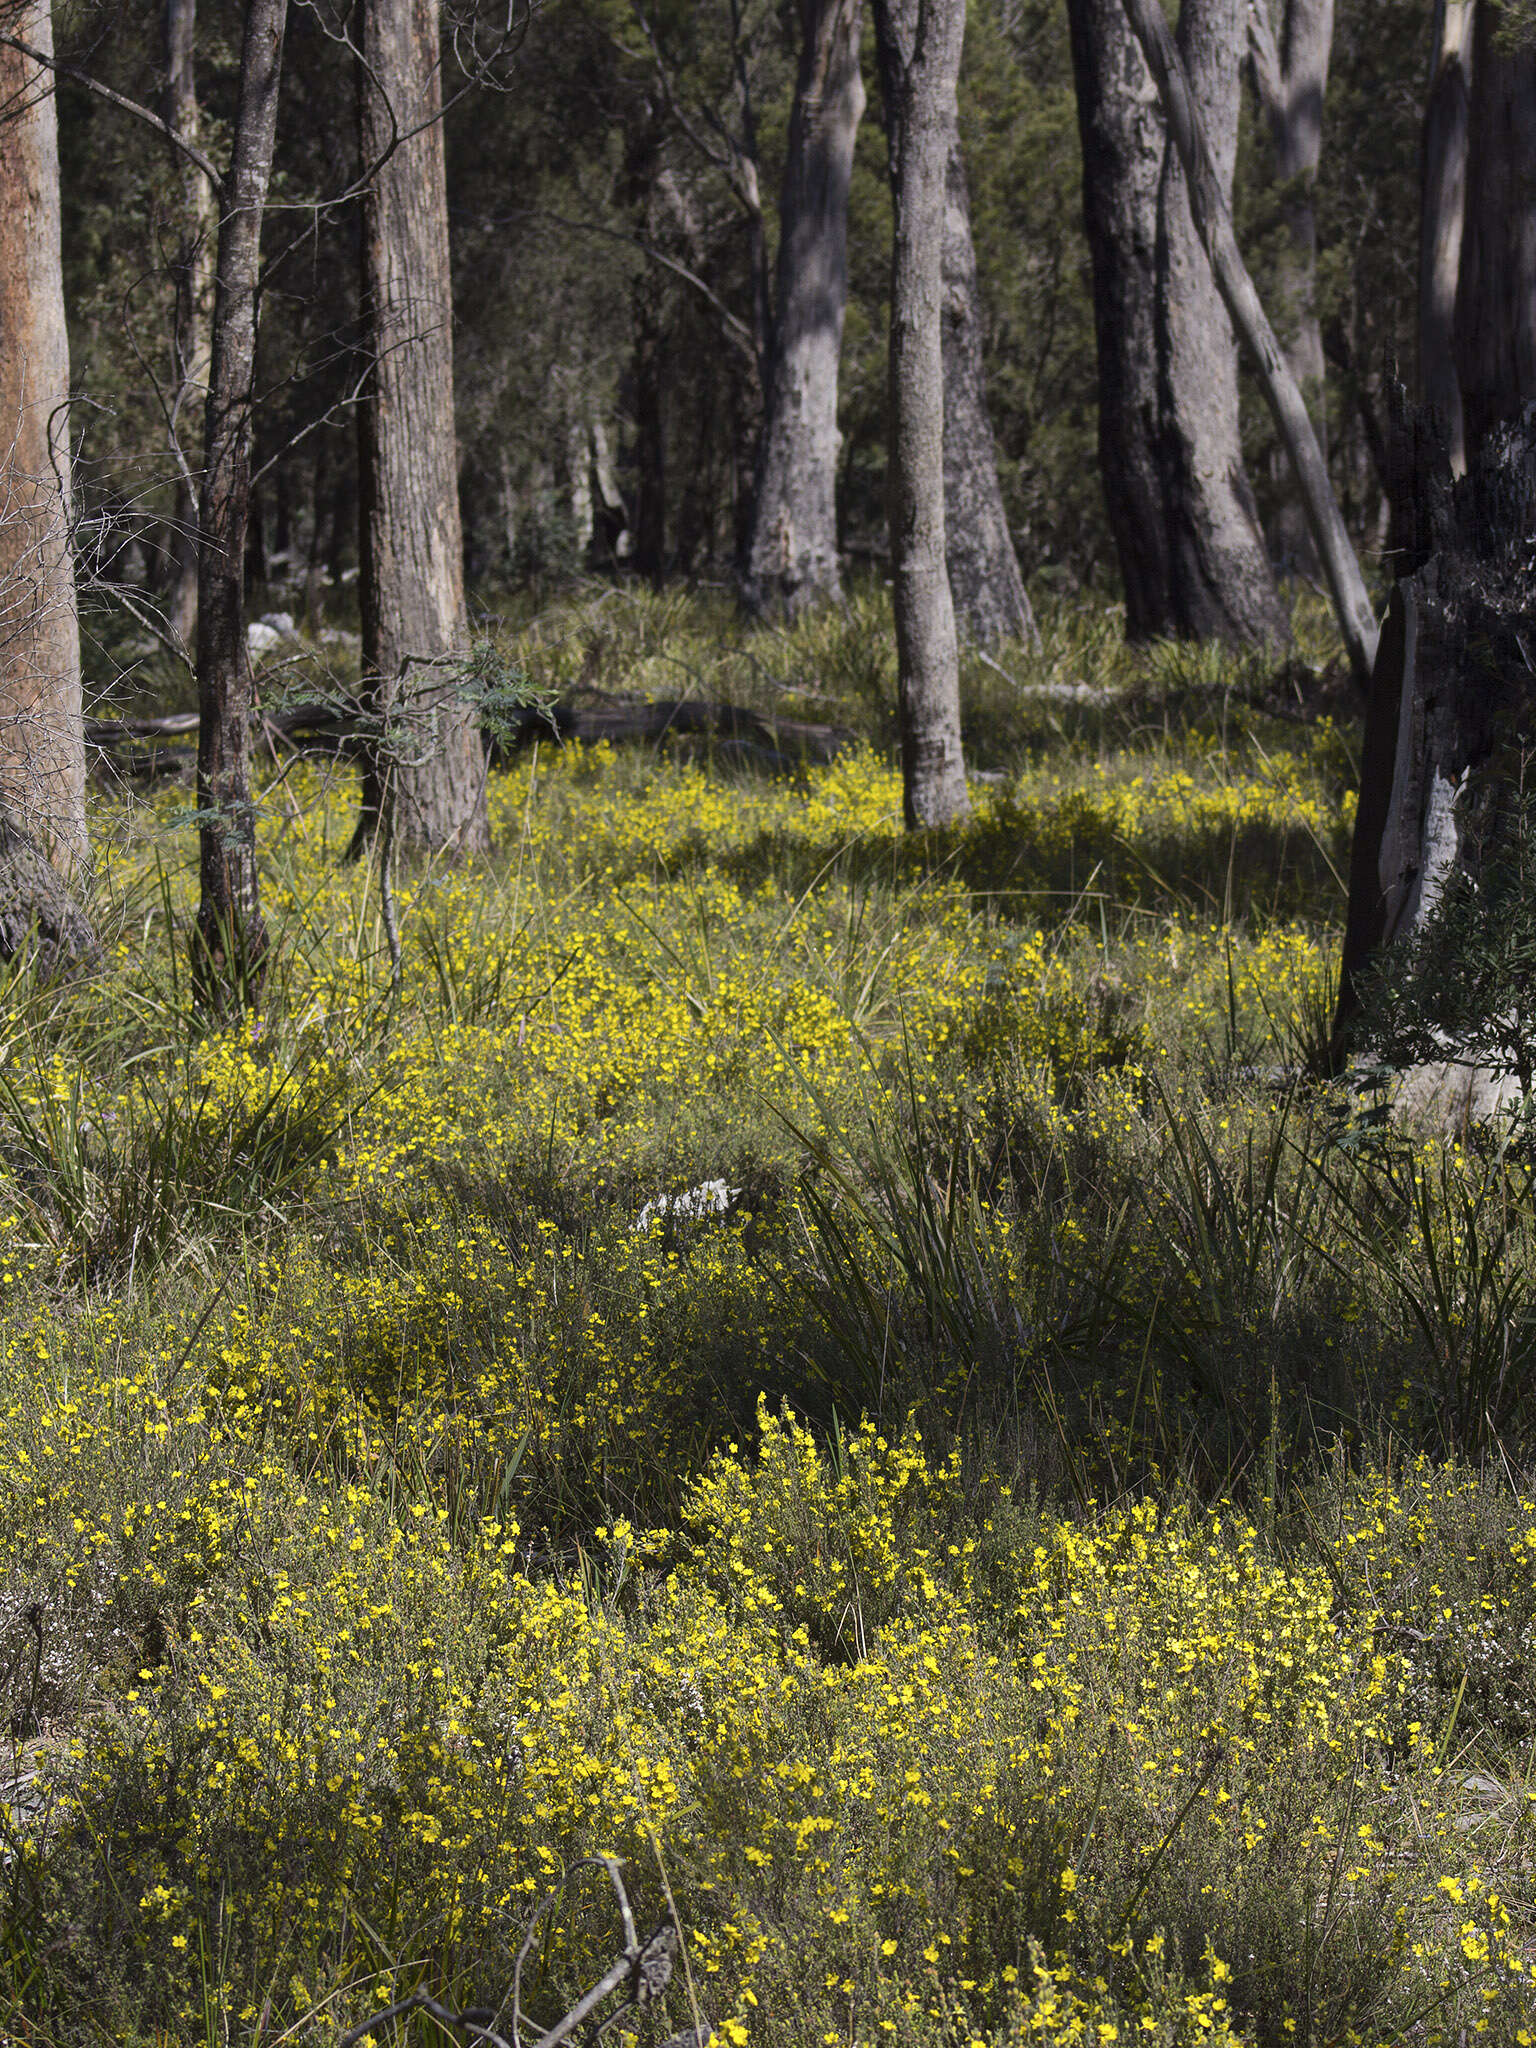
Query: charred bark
(1443, 199)
(230, 948)
(984, 579)
(428, 764)
(1181, 508)
(1496, 294)
(919, 46)
(791, 554)
(1453, 697)
(42, 745)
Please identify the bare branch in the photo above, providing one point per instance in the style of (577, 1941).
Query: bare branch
(84, 79)
(735, 330)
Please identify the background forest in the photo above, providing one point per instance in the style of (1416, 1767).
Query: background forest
(594, 154)
(676, 1399)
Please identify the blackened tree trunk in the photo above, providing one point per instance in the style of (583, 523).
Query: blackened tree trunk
(231, 940)
(1123, 146)
(42, 733)
(1496, 295)
(1443, 198)
(791, 554)
(192, 277)
(1290, 73)
(1453, 699)
(429, 764)
(984, 579)
(919, 47)
(1182, 510)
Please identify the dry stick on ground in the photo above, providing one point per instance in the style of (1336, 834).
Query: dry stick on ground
(1213, 224)
(645, 1967)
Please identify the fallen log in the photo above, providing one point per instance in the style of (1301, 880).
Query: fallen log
(725, 730)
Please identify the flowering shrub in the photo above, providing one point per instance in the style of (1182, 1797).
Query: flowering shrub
(911, 1562)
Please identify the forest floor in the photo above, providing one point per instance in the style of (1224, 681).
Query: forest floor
(869, 1377)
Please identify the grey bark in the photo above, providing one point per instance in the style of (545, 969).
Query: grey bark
(1443, 198)
(984, 579)
(791, 553)
(1496, 295)
(430, 765)
(192, 277)
(919, 46)
(1213, 223)
(1181, 508)
(1291, 77)
(231, 940)
(42, 736)
(1453, 699)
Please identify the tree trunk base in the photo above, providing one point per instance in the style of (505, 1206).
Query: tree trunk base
(39, 919)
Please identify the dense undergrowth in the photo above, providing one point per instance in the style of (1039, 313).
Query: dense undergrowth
(1037, 1549)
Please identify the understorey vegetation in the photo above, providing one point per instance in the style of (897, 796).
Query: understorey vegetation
(873, 1376)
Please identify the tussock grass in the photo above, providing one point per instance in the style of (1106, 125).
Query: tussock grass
(1043, 1554)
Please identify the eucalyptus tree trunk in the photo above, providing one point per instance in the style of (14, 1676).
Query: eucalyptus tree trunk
(192, 276)
(230, 952)
(1212, 221)
(428, 764)
(984, 579)
(1453, 697)
(1443, 199)
(42, 733)
(1290, 73)
(791, 553)
(1182, 510)
(1496, 295)
(1123, 145)
(919, 44)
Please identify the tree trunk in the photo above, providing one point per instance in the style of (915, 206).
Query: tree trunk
(791, 555)
(1223, 585)
(1496, 296)
(192, 276)
(231, 941)
(649, 554)
(984, 580)
(1213, 223)
(1181, 508)
(429, 764)
(1291, 75)
(1123, 144)
(919, 44)
(42, 736)
(1443, 188)
(1453, 699)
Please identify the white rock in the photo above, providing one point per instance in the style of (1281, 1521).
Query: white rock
(709, 1198)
